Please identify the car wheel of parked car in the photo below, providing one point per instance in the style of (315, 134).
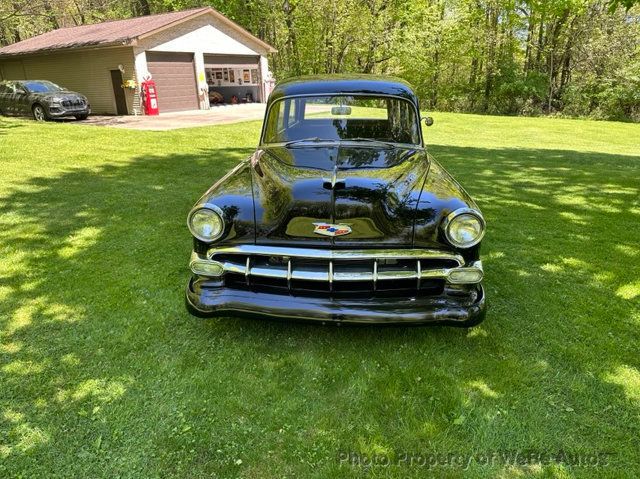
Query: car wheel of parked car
(81, 117)
(39, 113)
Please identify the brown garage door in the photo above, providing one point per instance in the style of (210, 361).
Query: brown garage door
(175, 79)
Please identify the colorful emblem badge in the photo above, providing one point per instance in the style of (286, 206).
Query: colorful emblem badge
(327, 229)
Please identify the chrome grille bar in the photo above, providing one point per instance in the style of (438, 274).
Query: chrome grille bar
(330, 275)
(327, 254)
(375, 274)
(310, 275)
(336, 266)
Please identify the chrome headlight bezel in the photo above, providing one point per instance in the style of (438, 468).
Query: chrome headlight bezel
(213, 209)
(450, 219)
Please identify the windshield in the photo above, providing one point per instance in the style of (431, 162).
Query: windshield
(342, 117)
(41, 86)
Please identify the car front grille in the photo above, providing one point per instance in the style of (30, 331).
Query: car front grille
(300, 271)
(75, 104)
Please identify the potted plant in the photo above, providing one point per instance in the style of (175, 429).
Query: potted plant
(130, 85)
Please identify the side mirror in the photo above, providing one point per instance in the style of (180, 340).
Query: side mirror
(428, 120)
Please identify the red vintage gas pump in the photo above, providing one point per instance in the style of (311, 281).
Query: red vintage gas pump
(150, 96)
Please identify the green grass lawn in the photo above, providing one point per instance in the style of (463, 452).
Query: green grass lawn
(104, 374)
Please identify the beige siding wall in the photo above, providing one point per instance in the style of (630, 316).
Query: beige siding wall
(12, 70)
(86, 71)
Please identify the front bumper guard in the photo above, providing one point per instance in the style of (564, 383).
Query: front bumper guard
(206, 295)
(203, 300)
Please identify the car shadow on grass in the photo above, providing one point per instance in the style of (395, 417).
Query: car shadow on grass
(103, 372)
(6, 125)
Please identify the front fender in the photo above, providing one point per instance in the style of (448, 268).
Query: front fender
(441, 195)
(233, 195)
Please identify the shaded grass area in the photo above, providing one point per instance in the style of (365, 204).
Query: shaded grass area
(103, 373)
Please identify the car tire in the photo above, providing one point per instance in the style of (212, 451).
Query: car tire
(39, 113)
(81, 117)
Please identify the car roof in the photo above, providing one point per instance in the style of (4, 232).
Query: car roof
(343, 84)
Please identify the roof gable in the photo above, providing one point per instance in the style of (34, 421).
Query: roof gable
(209, 37)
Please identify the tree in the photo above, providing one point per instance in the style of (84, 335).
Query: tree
(577, 57)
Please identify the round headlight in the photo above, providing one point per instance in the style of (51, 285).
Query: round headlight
(206, 224)
(464, 228)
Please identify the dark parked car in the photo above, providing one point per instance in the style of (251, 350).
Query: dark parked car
(339, 215)
(41, 99)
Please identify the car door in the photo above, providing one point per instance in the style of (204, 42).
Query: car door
(5, 96)
(11, 99)
(22, 100)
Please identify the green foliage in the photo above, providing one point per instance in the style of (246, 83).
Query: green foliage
(614, 4)
(575, 57)
(516, 94)
(614, 95)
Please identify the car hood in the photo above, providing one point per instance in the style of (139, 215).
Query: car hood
(373, 191)
(65, 95)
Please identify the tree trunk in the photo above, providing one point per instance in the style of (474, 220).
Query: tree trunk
(530, 33)
(292, 44)
(566, 59)
(540, 42)
(492, 23)
(143, 7)
(51, 16)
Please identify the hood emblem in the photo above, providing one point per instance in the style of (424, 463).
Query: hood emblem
(328, 229)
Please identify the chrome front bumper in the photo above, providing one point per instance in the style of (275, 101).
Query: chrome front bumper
(206, 300)
(351, 286)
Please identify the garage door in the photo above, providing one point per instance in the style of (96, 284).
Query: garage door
(234, 75)
(175, 78)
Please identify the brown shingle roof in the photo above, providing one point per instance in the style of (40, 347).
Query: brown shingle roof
(116, 32)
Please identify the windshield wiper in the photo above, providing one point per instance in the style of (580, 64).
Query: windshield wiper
(371, 140)
(313, 139)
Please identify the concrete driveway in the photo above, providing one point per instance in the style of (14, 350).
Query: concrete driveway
(217, 115)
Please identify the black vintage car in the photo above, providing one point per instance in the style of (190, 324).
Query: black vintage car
(41, 99)
(339, 215)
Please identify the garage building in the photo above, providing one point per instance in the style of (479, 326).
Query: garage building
(191, 55)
